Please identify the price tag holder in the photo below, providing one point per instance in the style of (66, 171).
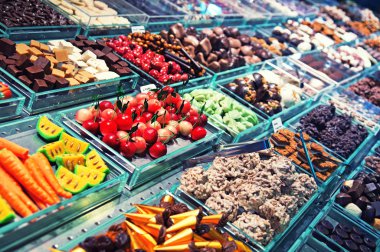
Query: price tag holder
(277, 124)
(147, 88)
(139, 28)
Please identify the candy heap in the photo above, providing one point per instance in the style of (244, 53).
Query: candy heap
(337, 132)
(260, 195)
(288, 144)
(170, 226)
(267, 91)
(368, 88)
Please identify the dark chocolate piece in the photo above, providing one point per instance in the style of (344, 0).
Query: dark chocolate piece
(345, 228)
(357, 231)
(107, 50)
(327, 225)
(44, 63)
(12, 69)
(26, 80)
(362, 202)
(111, 58)
(343, 199)
(10, 62)
(323, 230)
(369, 242)
(370, 188)
(99, 54)
(40, 85)
(123, 71)
(50, 80)
(337, 239)
(23, 62)
(80, 37)
(34, 72)
(376, 205)
(123, 63)
(7, 46)
(356, 190)
(342, 234)
(356, 238)
(61, 83)
(350, 245)
(364, 248)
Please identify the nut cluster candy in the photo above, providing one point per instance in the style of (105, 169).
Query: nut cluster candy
(91, 12)
(346, 235)
(260, 195)
(220, 48)
(60, 63)
(267, 91)
(361, 197)
(17, 13)
(368, 88)
(169, 226)
(337, 132)
(288, 144)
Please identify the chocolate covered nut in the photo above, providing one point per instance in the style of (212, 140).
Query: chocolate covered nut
(217, 30)
(244, 39)
(214, 66)
(205, 46)
(234, 43)
(212, 57)
(40, 85)
(246, 50)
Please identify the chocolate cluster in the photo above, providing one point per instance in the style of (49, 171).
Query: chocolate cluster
(335, 131)
(18, 13)
(368, 88)
(373, 161)
(361, 197)
(319, 63)
(288, 143)
(258, 92)
(350, 237)
(220, 48)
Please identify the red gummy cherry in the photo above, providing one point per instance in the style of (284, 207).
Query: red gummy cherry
(198, 133)
(157, 150)
(91, 126)
(108, 127)
(127, 149)
(150, 135)
(124, 122)
(105, 105)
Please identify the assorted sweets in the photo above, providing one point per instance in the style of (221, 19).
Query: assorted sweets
(334, 130)
(368, 88)
(5, 91)
(60, 63)
(91, 12)
(267, 91)
(273, 45)
(372, 161)
(346, 235)
(168, 226)
(288, 143)
(223, 110)
(360, 197)
(165, 62)
(30, 13)
(219, 48)
(30, 183)
(135, 126)
(259, 195)
(353, 57)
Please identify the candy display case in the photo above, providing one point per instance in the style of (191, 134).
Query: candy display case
(349, 155)
(11, 108)
(22, 230)
(42, 101)
(322, 233)
(22, 32)
(144, 168)
(227, 114)
(287, 105)
(112, 17)
(355, 214)
(325, 68)
(271, 244)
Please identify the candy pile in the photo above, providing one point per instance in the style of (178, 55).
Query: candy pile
(169, 226)
(360, 197)
(333, 130)
(373, 161)
(368, 88)
(259, 195)
(269, 92)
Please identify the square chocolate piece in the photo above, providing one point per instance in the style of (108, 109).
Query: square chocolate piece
(50, 80)
(123, 63)
(40, 85)
(26, 80)
(44, 63)
(111, 58)
(61, 83)
(12, 69)
(7, 46)
(123, 71)
(35, 72)
(9, 62)
(99, 54)
(80, 37)
(23, 62)
(107, 50)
